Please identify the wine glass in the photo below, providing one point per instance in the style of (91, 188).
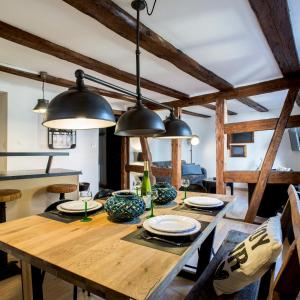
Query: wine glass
(85, 195)
(185, 183)
(154, 196)
(137, 185)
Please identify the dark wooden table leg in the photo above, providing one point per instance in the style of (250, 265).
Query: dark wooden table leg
(204, 253)
(37, 283)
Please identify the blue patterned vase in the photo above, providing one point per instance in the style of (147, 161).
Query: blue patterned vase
(124, 207)
(166, 192)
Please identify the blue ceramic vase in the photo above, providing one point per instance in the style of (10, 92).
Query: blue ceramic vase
(124, 207)
(166, 192)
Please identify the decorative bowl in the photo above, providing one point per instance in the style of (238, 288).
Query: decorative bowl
(166, 192)
(124, 206)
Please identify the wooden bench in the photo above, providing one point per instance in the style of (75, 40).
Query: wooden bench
(285, 285)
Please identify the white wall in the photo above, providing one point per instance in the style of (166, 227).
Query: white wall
(25, 132)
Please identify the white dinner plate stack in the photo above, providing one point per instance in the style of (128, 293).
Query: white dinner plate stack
(77, 206)
(204, 202)
(172, 225)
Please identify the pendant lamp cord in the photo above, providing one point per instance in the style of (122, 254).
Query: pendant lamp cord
(138, 52)
(148, 11)
(43, 76)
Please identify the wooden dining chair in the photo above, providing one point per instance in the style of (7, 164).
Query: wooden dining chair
(285, 285)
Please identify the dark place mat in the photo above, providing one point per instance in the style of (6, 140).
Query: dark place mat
(203, 211)
(136, 237)
(67, 218)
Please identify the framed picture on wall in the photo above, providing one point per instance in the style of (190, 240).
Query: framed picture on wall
(238, 151)
(241, 138)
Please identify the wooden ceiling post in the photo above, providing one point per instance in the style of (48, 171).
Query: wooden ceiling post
(220, 146)
(270, 155)
(125, 176)
(147, 156)
(176, 158)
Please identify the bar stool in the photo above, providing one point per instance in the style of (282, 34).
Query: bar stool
(7, 269)
(62, 189)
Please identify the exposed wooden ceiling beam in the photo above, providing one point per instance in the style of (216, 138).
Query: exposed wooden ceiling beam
(256, 106)
(243, 91)
(118, 20)
(27, 39)
(259, 125)
(274, 19)
(68, 83)
(64, 83)
(213, 107)
(195, 114)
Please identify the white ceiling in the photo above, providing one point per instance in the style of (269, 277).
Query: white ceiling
(224, 36)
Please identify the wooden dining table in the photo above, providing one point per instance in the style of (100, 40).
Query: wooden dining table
(94, 256)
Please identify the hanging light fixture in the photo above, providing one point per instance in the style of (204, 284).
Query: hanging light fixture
(42, 104)
(139, 120)
(175, 128)
(79, 108)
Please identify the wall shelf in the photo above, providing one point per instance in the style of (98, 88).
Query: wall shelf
(49, 154)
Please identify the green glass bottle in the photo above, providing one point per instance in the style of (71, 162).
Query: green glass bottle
(146, 186)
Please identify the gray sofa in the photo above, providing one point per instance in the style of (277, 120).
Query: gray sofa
(195, 173)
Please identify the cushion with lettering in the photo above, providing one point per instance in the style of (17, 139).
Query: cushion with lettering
(250, 259)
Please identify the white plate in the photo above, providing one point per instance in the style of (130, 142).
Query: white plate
(147, 227)
(78, 205)
(99, 205)
(172, 223)
(203, 202)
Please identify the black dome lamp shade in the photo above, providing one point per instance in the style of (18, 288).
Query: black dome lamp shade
(139, 121)
(175, 128)
(42, 104)
(79, 108)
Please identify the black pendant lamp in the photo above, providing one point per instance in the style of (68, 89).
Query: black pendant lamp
(79, 108)
(175, 128)
(42, 104)
(139, 120)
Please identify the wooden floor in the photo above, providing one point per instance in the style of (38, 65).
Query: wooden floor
(56, 289)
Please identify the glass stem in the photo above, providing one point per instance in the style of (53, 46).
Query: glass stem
(185, 193)
(85, 209)
(152, 215)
